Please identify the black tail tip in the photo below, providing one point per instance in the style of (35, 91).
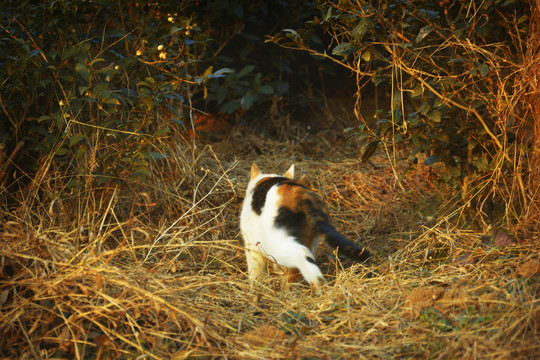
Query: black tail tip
(362, 255)
(355, 253)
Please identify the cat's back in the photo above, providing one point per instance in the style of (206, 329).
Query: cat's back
(276, 197)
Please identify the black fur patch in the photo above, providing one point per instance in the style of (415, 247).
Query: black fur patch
(262, 188)
(345, 246)
(311, 260)
(260, 191)
(314, 209)
(293, 222)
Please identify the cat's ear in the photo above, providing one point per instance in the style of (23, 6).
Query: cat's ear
(290, 173)
(254, 171)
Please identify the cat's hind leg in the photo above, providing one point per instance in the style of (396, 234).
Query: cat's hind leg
(310, 271)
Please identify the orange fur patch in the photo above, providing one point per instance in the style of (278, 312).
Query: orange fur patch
(290, 196)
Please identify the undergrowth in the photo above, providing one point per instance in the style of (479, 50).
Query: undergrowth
(156, 270)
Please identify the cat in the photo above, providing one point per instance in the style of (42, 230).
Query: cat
(282, 222)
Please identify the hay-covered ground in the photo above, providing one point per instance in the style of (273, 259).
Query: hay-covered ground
(156, 270)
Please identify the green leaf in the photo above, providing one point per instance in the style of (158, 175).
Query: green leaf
(221, 94)
(100, 89)
(144, 83)
(481, 163)
(397, 100)
(247, 101)
(266, 90)
(112, 101)
(83, 71)
(59, 119)
(147, 102)
(246, 70)
(435, 116)
(222, 72)
(230, 107)
(257, 81)
(162, 131)
(364, 25)
(344, 49)
(328, 14)
(457, 60)
(423, 33)
(370, 150)
(82, 89)
(154, 155)
(455, 172)
(44, 117)
(75, 139)
(79, 152)
(76, 50)
(96, 60)
(175, 29)
(413, 119)
(33, 53)
(483, 69)
(61, 151)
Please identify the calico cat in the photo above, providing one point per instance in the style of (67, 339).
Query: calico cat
(282, 222)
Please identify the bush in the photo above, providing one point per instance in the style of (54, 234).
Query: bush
(106, 94)
(457, 76)
(90, 92)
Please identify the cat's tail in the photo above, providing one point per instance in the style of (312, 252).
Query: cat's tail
(344, 246)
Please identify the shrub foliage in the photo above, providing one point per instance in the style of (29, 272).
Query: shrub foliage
(458, 74)
(100, 86)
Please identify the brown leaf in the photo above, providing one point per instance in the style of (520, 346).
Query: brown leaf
(3, 297)
(421, 298)
(530, 268)
(463, 258)
(266, 334)
(503, 239)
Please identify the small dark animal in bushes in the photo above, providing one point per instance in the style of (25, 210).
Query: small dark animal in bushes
(283, 222)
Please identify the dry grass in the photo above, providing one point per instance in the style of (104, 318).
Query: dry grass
(157, 270)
